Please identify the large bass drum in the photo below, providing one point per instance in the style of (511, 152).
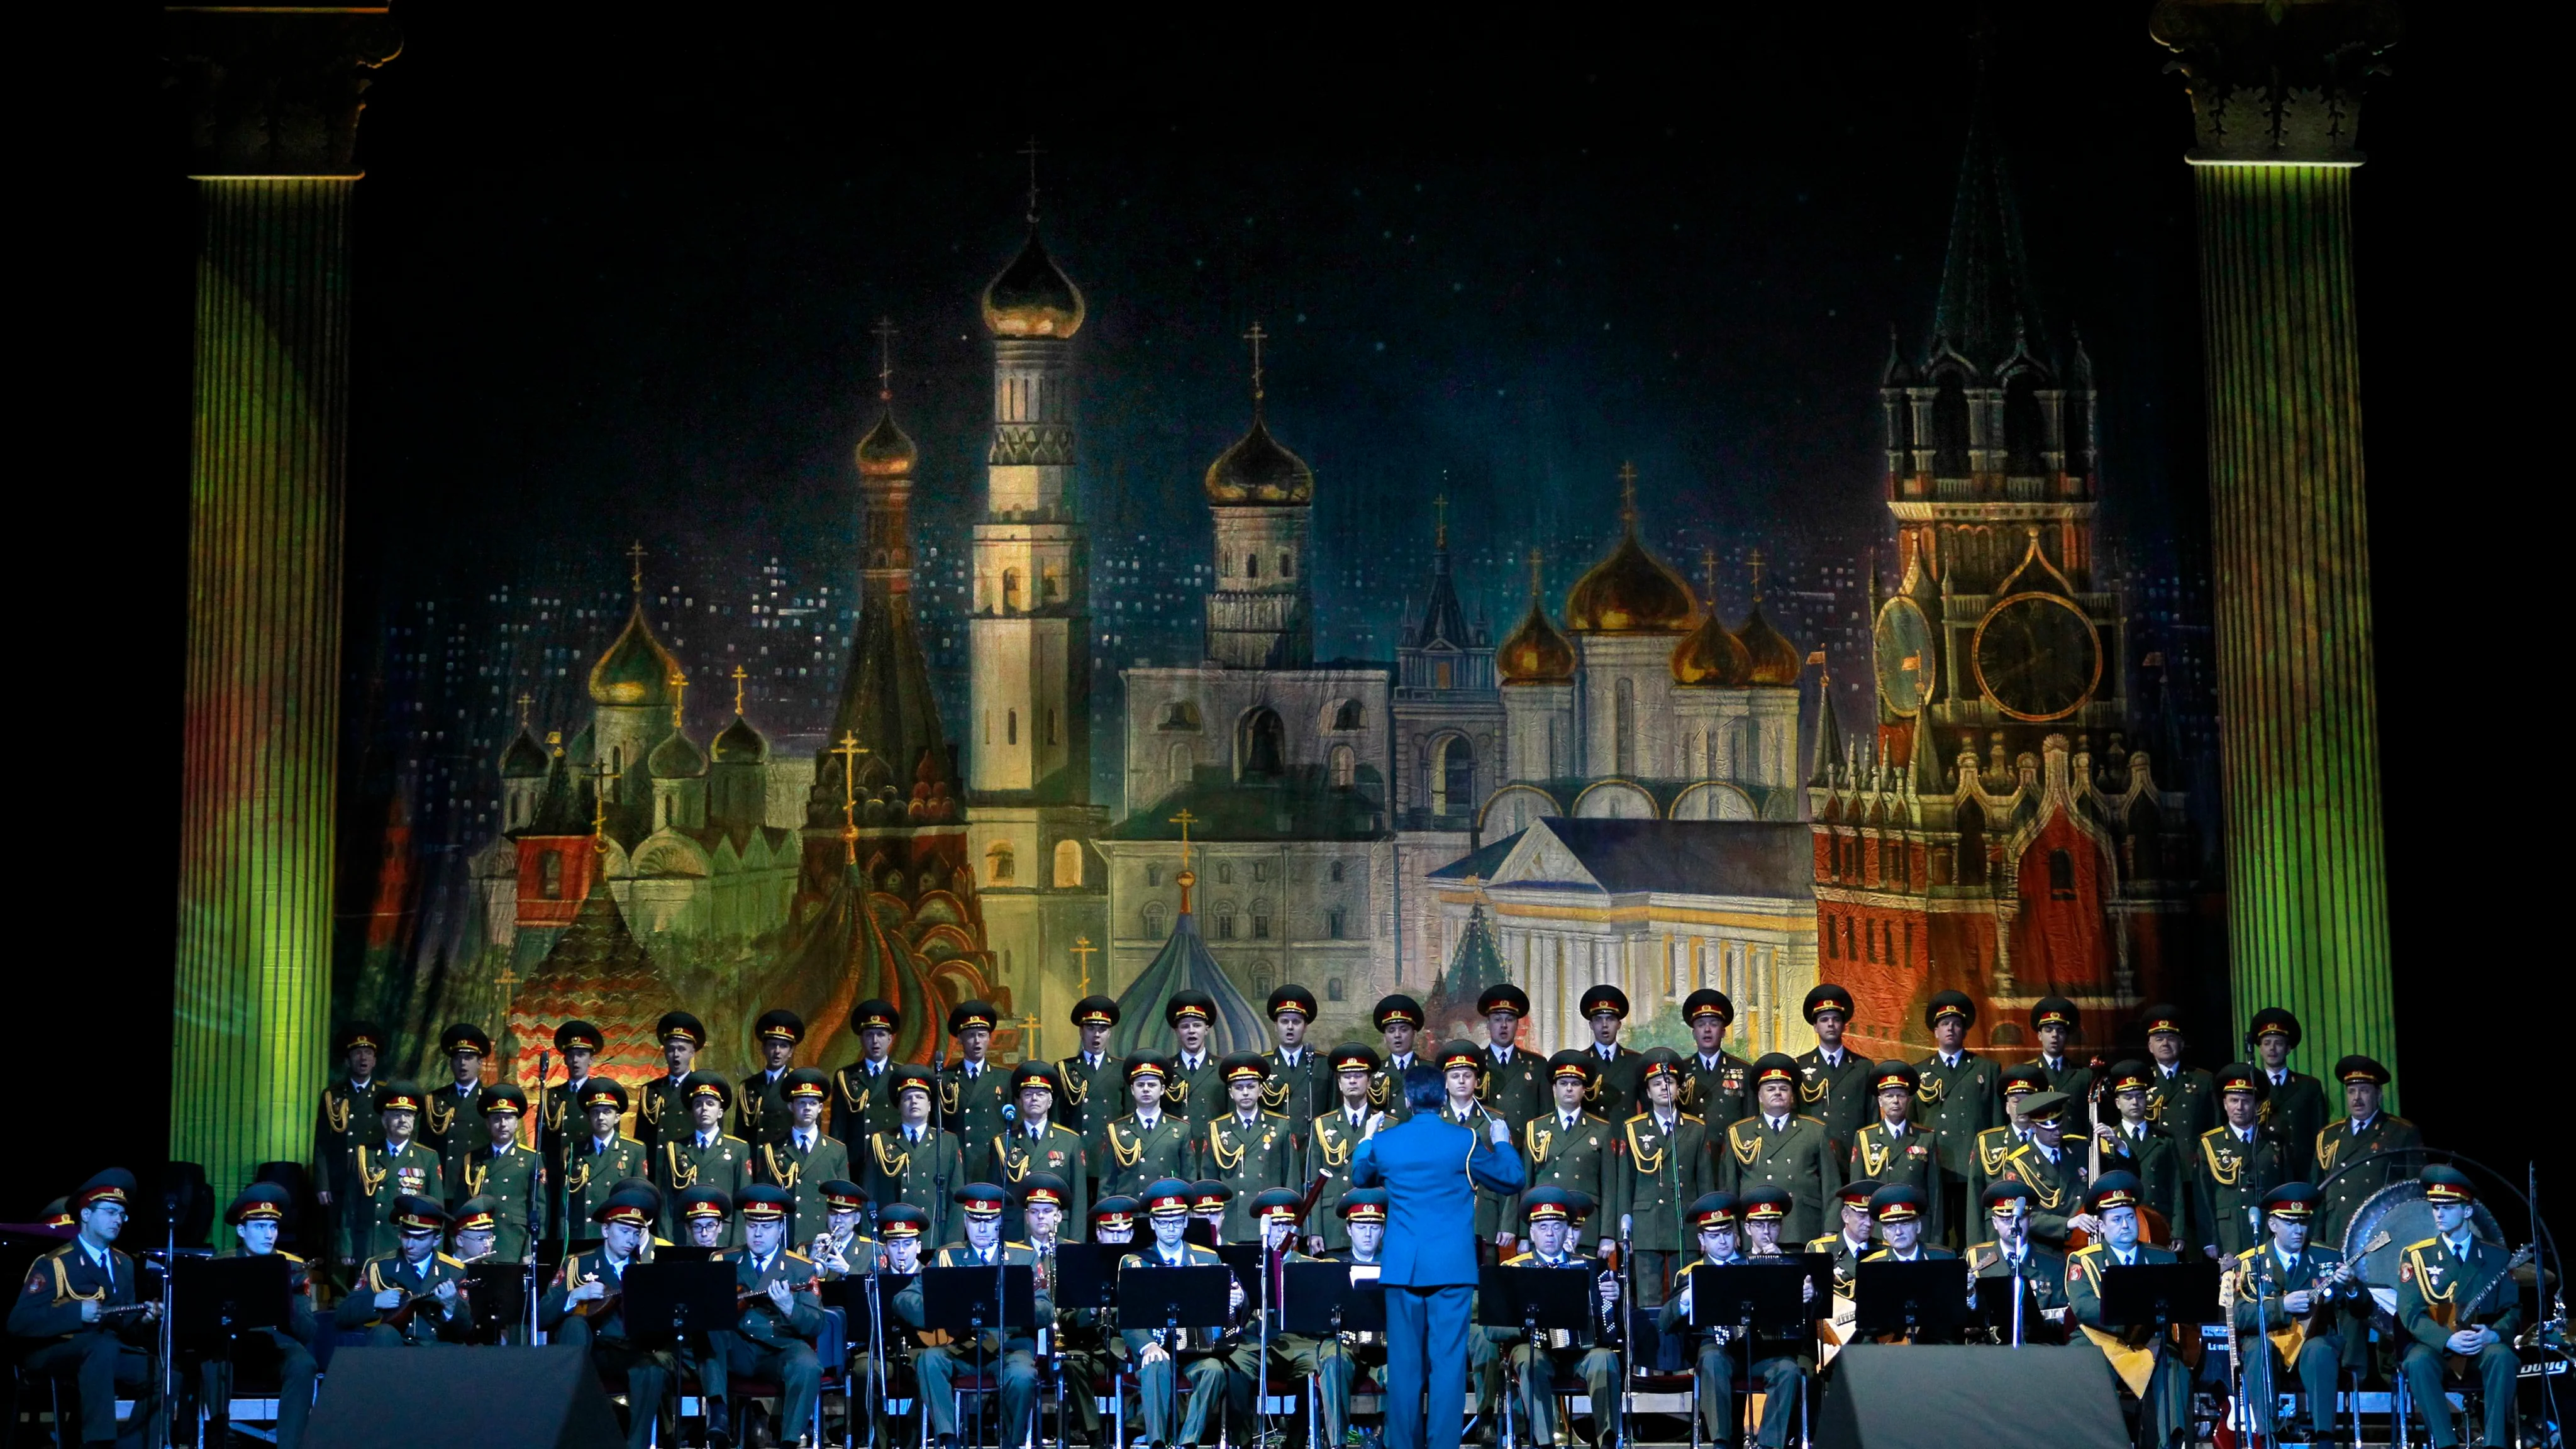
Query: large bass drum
(2392, 1218)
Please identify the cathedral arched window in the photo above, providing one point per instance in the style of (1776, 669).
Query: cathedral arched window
(1623, 727)
(2061, 876)
(550, 876)
(1453, 775)
(1333, 989)
(1261, 980)
(1346, 767)
(1287, 564)
(1972, 843)
(999, 865)
(1333, 921)
(1050, 586)
(1180, 762)
(1155, 921)
(1261, 920)
(1261, 744)
(1950, 427)
(1252, 566)
(1068, 864)
(2025, 426)
(1010, 726)
(1011, 591)
(1336, 872)
(1225, 872)
(1153, 875)
(1344, 715)
(1225, 922)
(1050, 725)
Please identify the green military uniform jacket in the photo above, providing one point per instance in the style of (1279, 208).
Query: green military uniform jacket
(1196, 1093)
(909, 1308)
(1330, 1141)
(2044, 1271)
(1563, 1338)
(1836, 1095)
(1197, 1338)
(1799, 1158)
(760, 1107)
(1613, 1095)
(1248, 1160)
(680, 1163)
(607, 1315)
(1516, 1091)
(427, 1323)
(2260, 1285)
(1716, 1093)
(1659, 1175)
(1583, 1158)
(2431, 1276)
(377, 1176)
(1386, 1088)
(1016, 1155)
(48, 1304)
(2186, 1102)
(919, 1174)
(2388, 1139)
(1139, 1156)
(802, 1172)
(2072, 1075)
(1494, 1210)
(588, 1175)
(2056, 1188)
(514, 1181)
(2229, 1177)
(761, 1323)
(1846, 1257)
(863, 1101)
(1914, 1160)
(1993, 1147)
(2298, 1104)
(1955, 1104)
(662, 1111)
(1094, 1093)
(2164, 1171)
(2084, 1269)
(1298, 1092)
(976, 1107)
(451, 1122)
(559, 1121)
(343, 1117)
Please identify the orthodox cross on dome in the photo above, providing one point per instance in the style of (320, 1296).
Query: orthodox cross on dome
(601, 772)
(635, 556)
(1536, 559)
(1033, 153)
(849, 749)
(1440, 529)
(1083, 951)
(1628, 494)
(1256, 336)
(1185, 879)
(525, 700)
(679, 697)
(1754, 562)
(1032, 1026)
(1708, 574)
(885, 359)
(739, 675)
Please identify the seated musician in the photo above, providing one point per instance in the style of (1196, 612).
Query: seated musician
(1898, 1210)
(1011, 1355)
(781, 1316)
(586, 1306)
(2293, 1304)
(899, 1230)
(1113, 1219)
(1589, 1352)
(1852, 1240)
(2009, 1254)
(77, 1317)
(280, 1354)
(1208, 1200)
(1276, 1210)
(841, 1250)
(706, 1215)
(2143, 1360)
(2444, 1306)
(1087, 1338)
(1045, 1201)
(413, 1296)
(475, 1229)
(1775, 1365)
(1157, 1356)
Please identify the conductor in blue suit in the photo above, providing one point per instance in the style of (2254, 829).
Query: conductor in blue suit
(1431, 1168)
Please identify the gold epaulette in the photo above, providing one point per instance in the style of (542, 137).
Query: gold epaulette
(2415, 1247)
(1687, 1117)
(290, 1257)
(451, 1262)
(1641, 1116)
(1008, 1245)
(800, 1257)
(2089, 1250)
(1517, 1259)
(1803, 1117)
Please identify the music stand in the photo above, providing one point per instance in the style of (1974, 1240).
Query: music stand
(1535, 1301)
(1927, 1297)
(496, 1294)
(1086, 1275)
(2152, 1295)
(684, 1253)
(1995, 1308)
(1317, 1299)
(1761, 1295)
(666, 1302)
(964, 1300)
(1173, 1299)
(213, 1299)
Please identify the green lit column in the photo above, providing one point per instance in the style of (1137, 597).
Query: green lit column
(2276, 93)
(273, 98)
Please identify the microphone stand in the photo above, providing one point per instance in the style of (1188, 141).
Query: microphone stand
(536, 1198)
(2018, 1291)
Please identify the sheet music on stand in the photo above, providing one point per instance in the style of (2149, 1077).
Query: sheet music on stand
(1324, 1298)
(496, 1295)
(2143, 1295)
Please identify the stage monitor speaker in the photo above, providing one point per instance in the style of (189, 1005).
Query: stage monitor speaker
(1923, 1396)
(406, 1398)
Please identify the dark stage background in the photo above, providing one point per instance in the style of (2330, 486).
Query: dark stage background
(2449, 288)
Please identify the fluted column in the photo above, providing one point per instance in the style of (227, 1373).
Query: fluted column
(273, 108)
(2275, 93)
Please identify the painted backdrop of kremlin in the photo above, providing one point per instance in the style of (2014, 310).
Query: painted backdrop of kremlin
(1623, 788)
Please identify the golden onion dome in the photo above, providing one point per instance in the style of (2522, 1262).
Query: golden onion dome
(1630, 592)
(636, 670)
(1257, 470)
(1775, 660)
(1032, 297)
(1712, 657)
(740, 744)
(886, 452)
(1535, 653)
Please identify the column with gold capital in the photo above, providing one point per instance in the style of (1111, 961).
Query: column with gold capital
(2275, 91)
(271, 101)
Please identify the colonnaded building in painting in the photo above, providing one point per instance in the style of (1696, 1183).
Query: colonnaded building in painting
(1614, 791)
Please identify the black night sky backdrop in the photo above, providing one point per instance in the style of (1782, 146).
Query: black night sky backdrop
(616, 273)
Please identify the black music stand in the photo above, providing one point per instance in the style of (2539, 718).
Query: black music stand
(1318, 1299)
(667, 1302)
(979, 1299)
(1761, 1295)
(213, 1299)
(1926, 1298)
(1994, 1309)
(496, 1295)
(1086, 1275)
(2154, 1295)
(1535, 1301)
(1173, 1299)
(683, 1253)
